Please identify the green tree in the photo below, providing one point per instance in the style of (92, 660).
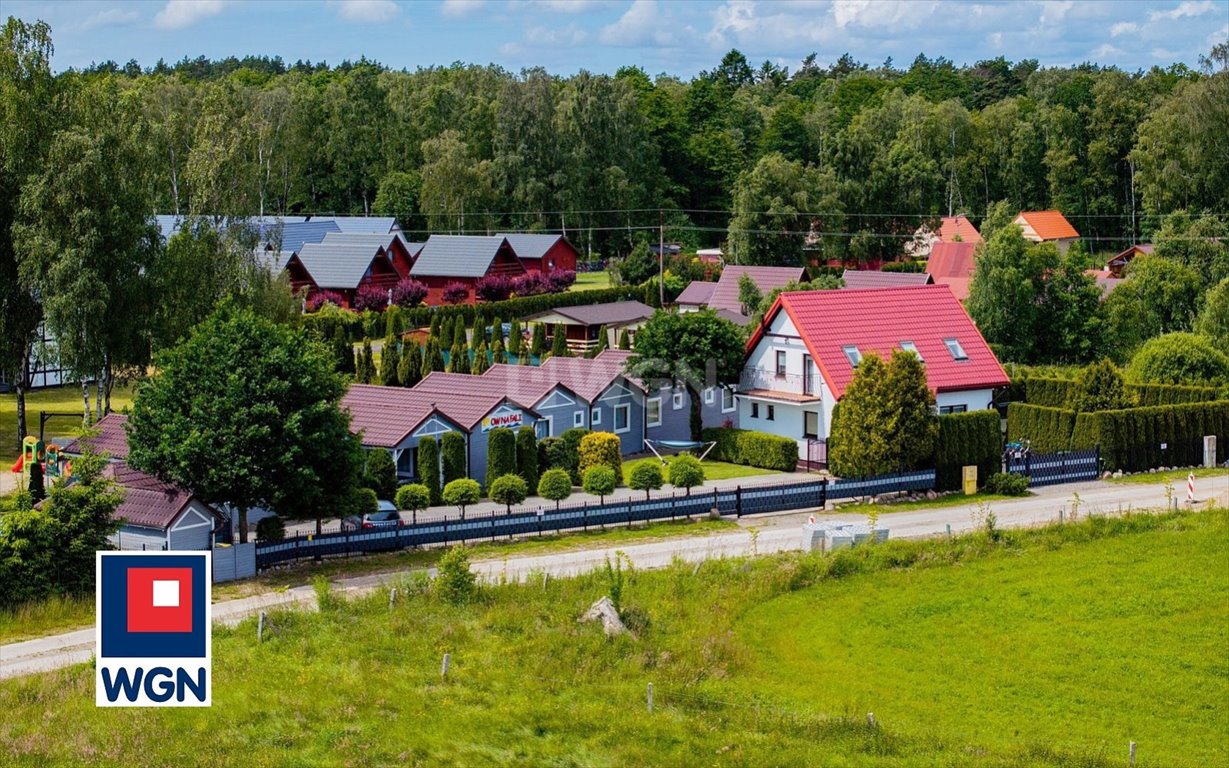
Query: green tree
(694, 350)
(1099, 387)
(1200, 243)
(1214, 319)
(429, 467)
(601, 448)
(555, 485)
(600, 481)
(433, 358)
(687, 472)
(914, 426)
(413, 497)
(454, 183)
(861, 424)
(343, 352)
(1004, 295)
(364, 368)
(638, 266)
(390, 361)
(482, 360)
(749, 296)
(409, 365)
(775, 207)
(509, 490)
(247, 412)
(452, 450)
(645, 476)
(514, 338)
(36, 486)
(602, 343)
(1179, 358)
(559, 342)
(527, 455)
(1159, 296)
(456, 583)
(537, 344)
(462, 493)
(571, 451)
(500, 454)
(458, 359)
(381, 473)
(625, 340)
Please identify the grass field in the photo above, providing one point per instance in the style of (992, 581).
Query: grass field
(1218, 476)
(62, 399)
(587, 281)
(953, 500)
(1053, 647)
(713, 470)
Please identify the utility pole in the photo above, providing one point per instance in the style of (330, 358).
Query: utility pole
(661, 250)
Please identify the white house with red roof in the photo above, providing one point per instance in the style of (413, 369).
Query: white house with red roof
(803, 356)
(1047, 227)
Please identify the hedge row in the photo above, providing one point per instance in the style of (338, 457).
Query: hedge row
(1047, 429)
(374, 325)
(964, 439)
(753, 449)
(1052, 393)
(1131, 439)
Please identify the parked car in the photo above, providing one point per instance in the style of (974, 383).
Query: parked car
(386, 506)
(352, 523)
(382, 519)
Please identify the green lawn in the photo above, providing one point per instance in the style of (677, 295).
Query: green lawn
(1054, 647)
(713, 470)
(61, 399)
(587, 281)
(1178, 478)
(954, 500)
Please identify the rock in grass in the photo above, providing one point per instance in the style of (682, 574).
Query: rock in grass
(604, 611)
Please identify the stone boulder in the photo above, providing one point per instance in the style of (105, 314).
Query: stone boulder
(604, 611)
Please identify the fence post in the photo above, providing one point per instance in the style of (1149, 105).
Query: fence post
(823, 493)
(738, 500)
(629, 512)
(445, 529)
(445, 664)
(492, 526)
(717, 502)
(1132, 754)
(651, 709)
(1097, 454)
(584, 514)
(260, 628)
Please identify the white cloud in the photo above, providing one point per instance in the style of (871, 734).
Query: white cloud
(996, 40)
(1123, 28)
(878, 13)
(1053, 11)
(1105, 51)
(112, 17)
(177, 14)
(1186, 9)
(642, 24)
(365, 11)
(458, 8)
(555, 6)
(1164, 54)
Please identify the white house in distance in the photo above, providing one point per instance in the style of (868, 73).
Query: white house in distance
(803, 356)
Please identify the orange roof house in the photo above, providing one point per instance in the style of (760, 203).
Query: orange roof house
(1047, 227)
(952, 229)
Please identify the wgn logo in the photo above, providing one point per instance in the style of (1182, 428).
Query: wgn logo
(153, 633)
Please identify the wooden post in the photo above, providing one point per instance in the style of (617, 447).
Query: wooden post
(1060, 515)
(260, 628)
(651, 709)
(444, 666)
(392, 597)
(949, 531)
(1132, 754)
(870, 719)
(738, 500)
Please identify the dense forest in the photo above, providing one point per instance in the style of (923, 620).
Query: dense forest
(858, 154)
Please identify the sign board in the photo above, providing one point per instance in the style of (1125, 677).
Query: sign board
(1209, 450)
(153, 630)
(504, 419)
(969, 479)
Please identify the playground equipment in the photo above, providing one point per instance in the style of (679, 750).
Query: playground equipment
(678, 446)
(35, 451)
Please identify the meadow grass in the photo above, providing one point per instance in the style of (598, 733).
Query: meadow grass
(589, 281)
(62, 399)
(1219, 477)
(713, 470)
(953, 500)
(1048, 647)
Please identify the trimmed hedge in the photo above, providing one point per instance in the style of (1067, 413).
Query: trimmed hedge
(452, 450)
(753, 449)
(1047, 429)
(601, 449)
(1052, 393)
(500, 454)
(1131, 439)
(967, 438)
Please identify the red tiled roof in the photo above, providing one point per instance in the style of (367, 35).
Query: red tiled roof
(952, 260)
(1049, 225)
(1135, 250)
(112, 438)
(590, 378)
(952, 226)
(387, 415)
(148, 501)
(1105, 280)
(959, 286)
(725, 295)
(697, 293)
(869, 278)
(878, 320)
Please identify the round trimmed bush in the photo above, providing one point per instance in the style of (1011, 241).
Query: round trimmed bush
(509, 490)
(1179, 358)
(461, 493)
(555, 485)
(646, 476)
(686, 471)
(269, 528)
(599, 481)
(601, 448)
(413, 497)
(365, 502)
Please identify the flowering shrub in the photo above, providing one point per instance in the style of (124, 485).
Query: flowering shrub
(559, 280)
(409, 293)
(370, 297)
(455, 293)
(494, 288)
(320, 298)
(530, 284)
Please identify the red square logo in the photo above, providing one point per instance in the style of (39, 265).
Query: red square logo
(159, 599)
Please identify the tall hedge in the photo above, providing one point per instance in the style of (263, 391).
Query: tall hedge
(1053, 393)
(753, 449)
(429, 467)
(527, 456)
(601, 449)
(967, 438)
(1046, 429)
(1131, 439)
(452, 450)
(571, 450)
(552, 454)
(500, 454)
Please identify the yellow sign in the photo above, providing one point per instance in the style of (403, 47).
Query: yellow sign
(970, 480)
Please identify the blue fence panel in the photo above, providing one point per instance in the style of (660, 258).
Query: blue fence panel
(1054, 468)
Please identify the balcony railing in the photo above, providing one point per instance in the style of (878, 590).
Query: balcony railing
(757, 378)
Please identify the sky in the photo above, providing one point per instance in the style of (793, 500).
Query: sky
(678, 37)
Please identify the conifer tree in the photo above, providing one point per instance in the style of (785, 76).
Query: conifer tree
(409, 367)
(602, 343)
(390, 361)
(537, 347)
(498, 355)
(481, 360)
(514, 338)
(343, 350)
(458, 333)
(559, 344)
(625, 340)
(433, 359)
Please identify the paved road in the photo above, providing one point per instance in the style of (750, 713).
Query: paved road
(761, 535)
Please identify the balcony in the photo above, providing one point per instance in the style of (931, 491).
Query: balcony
(797, 385)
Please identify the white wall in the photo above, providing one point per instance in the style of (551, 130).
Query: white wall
(972, 399)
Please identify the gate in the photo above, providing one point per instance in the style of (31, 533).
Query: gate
(1054, 468)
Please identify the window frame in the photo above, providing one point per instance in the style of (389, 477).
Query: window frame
(852, 354)
(708, 396)
(733, 403)
(772, 412)
(954, 346)
(781, 363)
(626, 409)
(595, 416)
(578, 419)
(676, 398)
(755, 410)
(947, 410)
(913, 348)
(806, 415)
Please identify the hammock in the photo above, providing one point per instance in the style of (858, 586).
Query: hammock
(677, 446)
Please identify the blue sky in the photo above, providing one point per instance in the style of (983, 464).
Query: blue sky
(679, 37)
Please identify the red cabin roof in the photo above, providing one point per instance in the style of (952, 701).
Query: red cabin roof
(952, 226)
(878, 320)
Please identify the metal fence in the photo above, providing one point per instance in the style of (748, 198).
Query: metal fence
(1053, 468)
(739, 501)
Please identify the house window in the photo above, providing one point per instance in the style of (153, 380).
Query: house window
(957, 351)
(946, 409)
(708, 396)
(755, 410)
(810, 424)
(622, 418)
(677, 399)
(772, 412)
(542, 429)
(652, 413)
(727, 400)
(909, 346)
(780, 363)
(595, 417)
(578, 419)
(853, 354)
